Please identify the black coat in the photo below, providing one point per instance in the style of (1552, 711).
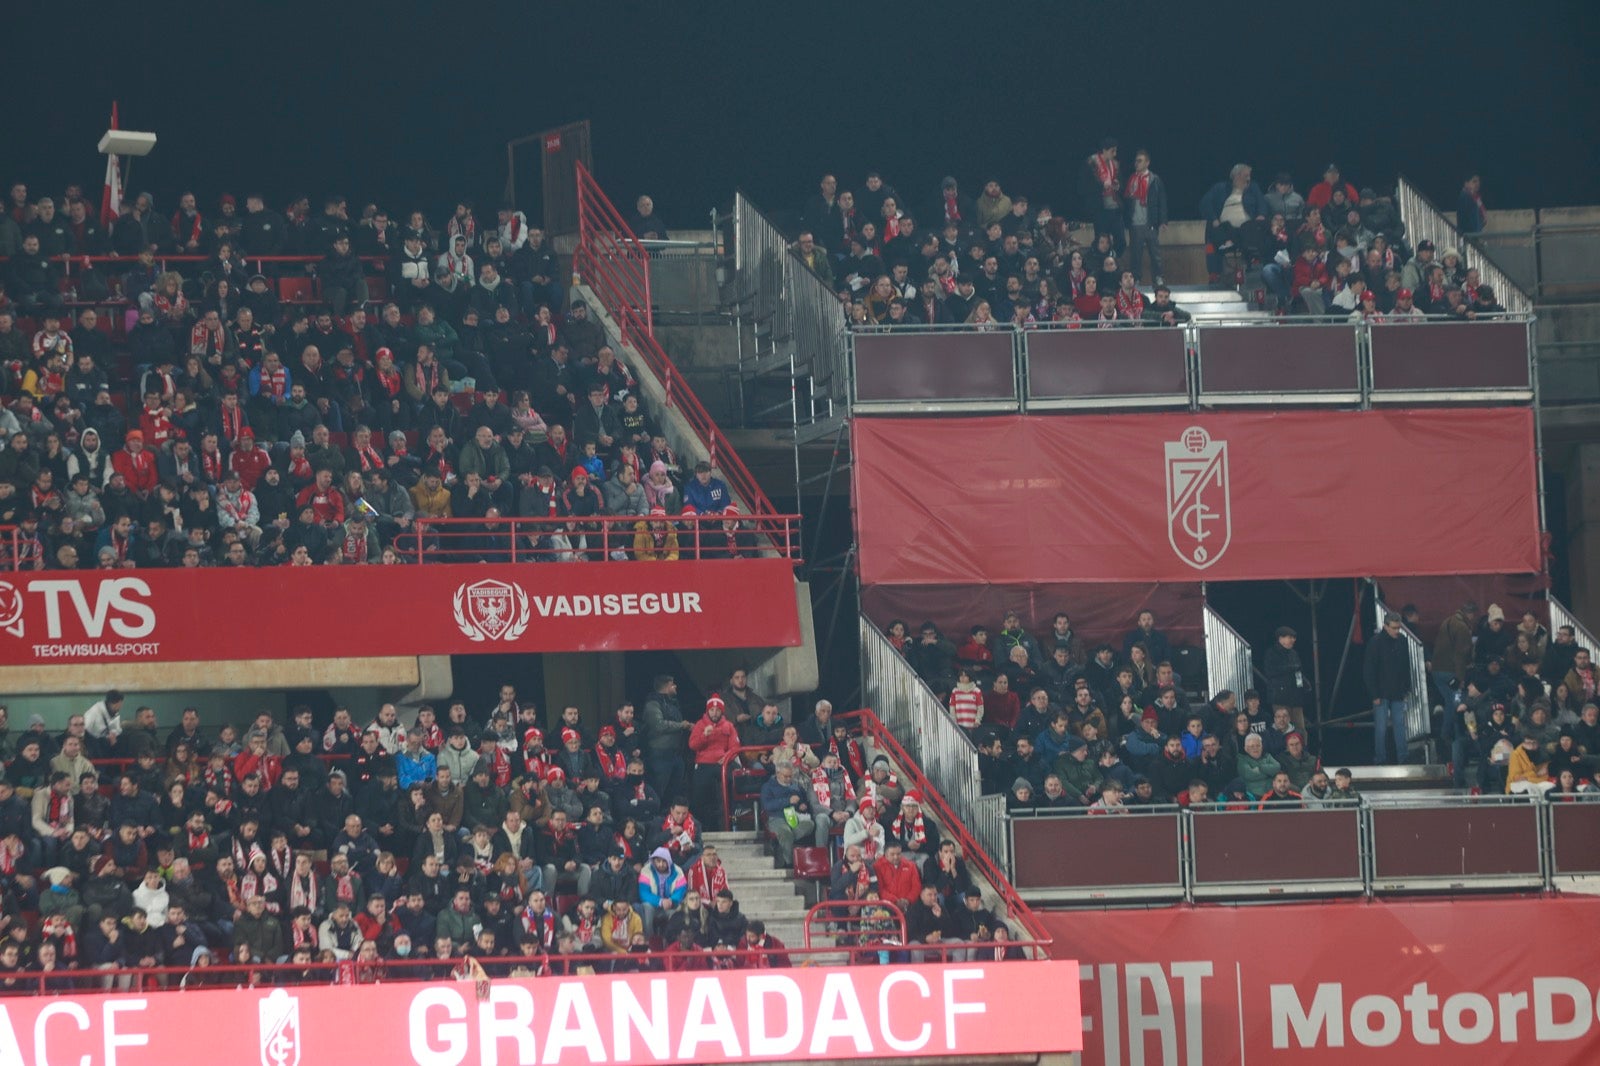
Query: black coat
(1388, 667)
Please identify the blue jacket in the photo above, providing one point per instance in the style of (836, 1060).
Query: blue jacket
(775, 795)
(710, 498)
(423, 768)
(654, 887)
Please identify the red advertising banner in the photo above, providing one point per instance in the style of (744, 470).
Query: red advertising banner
(1414, 983)
(361, 611)
(763, 1015)
(1195, 496)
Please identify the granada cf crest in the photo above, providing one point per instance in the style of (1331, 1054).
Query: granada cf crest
(491, 610)
(1199, 518)
(10, 608)
(280, 1029)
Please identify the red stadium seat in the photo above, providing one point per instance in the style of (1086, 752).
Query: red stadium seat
(297, 290)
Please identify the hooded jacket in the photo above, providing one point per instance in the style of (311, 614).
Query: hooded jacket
(655, 886)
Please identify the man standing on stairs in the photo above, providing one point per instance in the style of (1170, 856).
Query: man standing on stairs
(1387, 672)
(712, 739)
(787, 805)
(665, 732)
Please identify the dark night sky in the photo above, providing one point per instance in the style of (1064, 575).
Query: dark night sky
(411, 104)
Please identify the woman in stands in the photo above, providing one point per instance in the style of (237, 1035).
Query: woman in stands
(1564, 710)
(981, 318)
(878, 300)
(1087, 302)
(966, 701)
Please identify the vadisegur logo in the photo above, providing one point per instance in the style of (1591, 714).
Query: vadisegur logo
(491, 610)
(1199, 514)
(280, 1029)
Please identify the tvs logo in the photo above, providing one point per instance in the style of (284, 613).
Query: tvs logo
(1199, 515)
(10, 609)
(280, 1029)
(491, 610)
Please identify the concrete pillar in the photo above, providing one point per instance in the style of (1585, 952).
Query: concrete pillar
(594, 681)
(1583, 530)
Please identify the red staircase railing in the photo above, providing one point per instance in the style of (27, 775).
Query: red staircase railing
(616, 267)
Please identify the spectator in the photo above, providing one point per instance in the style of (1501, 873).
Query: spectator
(1145, 208)
(788, 806)
(1387, 671)
(1235, 215)
(1471, 217)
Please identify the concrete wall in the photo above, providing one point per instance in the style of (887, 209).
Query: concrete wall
(1583, 531)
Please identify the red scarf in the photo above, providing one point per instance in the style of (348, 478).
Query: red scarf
(369, 458)
(344, 888)
(542, 926)
(1077, 283)
(613, 763)
(211, 463)
(624, 842)
(952, 209)
(303, 892)
(1130, 305)
(919, 832)
(275, 382)
(390, 381)
(427, 377)
(1138, 188)
(586, 928)
(355, 548)
(60, 808)
(822, 787)
(707, 882)
(204, 342)
(193, 225)
(1106, 171)
(232, 423)
(300, 469)
(198, 840)
(673, 831)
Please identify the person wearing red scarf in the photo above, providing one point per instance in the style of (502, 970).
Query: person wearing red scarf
(1130, 301)
(707, 875)
(1102, 192)
(135, 464)
(1144, 200)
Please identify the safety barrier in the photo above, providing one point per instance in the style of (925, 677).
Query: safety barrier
(792, 307)
(598, 538)
(1549, 260)
(1419, 708)
(1560, 616)
(1242, 851)
(1228, 662)
(1278, 361)
(616, 266)
(921, 722)
(1424, 221)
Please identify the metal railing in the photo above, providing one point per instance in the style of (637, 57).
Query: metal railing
(1549, 260)
(793, 308)
(10, 552)
(1419, 709)
(1239, 851)
(1424, 221)
(600, 538)
(616, 266)
(1228, 663)
(612, 260)
(921, 722)
(1276, 361)
(1560, 616)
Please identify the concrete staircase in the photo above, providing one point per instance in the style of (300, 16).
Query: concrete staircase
(762, 889)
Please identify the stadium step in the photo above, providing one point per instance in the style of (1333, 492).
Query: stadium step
(763, 890)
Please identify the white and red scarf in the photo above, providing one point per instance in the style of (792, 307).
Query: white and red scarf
(914, 833)
(1105, 170)
(1138, 187)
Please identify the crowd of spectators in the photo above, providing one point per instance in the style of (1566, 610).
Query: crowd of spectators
(1001, 259)
(216, 413)
(1060, 724)
(1517, 706)
(466, 839)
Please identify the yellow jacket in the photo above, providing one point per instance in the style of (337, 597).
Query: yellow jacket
(644, 544)
(1523, 768)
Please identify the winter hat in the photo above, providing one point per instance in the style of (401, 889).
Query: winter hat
(716, 701)
(99, 865)
(57, 875)
(913, 797)
(134, 434)
(1495, 613)
(297, 439)
(658, 512)
(1149, 715)
(35, 719)
(569, 735)
(608, 731)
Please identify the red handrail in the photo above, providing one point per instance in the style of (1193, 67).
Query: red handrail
(971, 850)
(11, 542)
(617, 268)
(827, 906)
(522, 539)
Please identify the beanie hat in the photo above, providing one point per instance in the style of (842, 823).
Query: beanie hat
(715, 701)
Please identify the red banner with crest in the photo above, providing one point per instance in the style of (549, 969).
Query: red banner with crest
(1024, 499)
(365, 611)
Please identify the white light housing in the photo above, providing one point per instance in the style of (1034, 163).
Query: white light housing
(126, 142)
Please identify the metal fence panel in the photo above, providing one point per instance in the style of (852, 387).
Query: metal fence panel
(1228, 664)
(1560, 616)
(1276, 851)
(1067, 856)
(928, 732)
(1424, 221)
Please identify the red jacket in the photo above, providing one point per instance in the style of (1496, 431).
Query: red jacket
(900, 884)
(140, 470)
(1309, 274)
(251, 464)
(327, 506)
(710, 742)
(1321, 193)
